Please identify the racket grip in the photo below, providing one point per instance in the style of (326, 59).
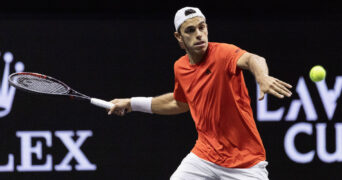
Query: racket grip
(101, 103)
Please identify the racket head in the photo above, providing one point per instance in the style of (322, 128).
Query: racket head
(38, 83)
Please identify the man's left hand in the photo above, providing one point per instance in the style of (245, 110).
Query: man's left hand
(274, 86)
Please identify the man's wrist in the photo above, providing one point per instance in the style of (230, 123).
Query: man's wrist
(141, 104)
(260, 77)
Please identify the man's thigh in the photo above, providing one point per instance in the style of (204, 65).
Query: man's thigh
(257, 172)
(192, 167)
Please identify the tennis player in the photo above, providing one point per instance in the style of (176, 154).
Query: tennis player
(209, 82)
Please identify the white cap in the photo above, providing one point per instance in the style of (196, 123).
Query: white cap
(180, 16)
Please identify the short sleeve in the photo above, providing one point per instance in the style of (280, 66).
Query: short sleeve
(232, 55)
(178, 92)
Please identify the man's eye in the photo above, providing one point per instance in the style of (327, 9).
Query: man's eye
(190, 30)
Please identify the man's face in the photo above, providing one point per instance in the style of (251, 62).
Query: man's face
(194, 35)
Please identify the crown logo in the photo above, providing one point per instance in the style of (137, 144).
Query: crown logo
(6, 92)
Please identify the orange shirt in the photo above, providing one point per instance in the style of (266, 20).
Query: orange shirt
(220, 107)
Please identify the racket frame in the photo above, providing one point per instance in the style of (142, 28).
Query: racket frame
(71, 93)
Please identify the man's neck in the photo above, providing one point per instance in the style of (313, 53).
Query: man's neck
(196, 58)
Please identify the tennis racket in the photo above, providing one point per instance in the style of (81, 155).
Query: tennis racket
(42, 84)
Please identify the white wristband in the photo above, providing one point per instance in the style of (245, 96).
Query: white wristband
(142, 104)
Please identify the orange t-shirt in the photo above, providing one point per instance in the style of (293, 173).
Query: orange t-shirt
(219, 103)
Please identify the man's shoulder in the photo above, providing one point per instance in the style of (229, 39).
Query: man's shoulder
(181, 61)
(223, 49)
(220, 45)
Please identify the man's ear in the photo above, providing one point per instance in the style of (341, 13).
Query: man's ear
(179, 39)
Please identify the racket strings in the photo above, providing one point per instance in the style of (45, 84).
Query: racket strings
(40, 85)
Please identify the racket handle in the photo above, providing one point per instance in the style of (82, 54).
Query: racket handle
(101, 103)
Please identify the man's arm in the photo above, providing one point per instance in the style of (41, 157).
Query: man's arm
(167, 105)
(163, 105)
(268, 84)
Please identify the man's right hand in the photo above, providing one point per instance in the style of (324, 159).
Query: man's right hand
(122, 106)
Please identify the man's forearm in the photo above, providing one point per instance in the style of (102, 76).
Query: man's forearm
(257, 65)
(167, 105)
(163, 105)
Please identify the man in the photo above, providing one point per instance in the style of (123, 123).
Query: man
(209, 82)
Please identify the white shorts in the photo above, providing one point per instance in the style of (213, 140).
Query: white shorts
(195, 168)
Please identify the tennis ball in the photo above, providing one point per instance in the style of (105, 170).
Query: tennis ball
(317, 73)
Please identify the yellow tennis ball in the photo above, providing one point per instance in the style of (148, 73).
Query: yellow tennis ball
(317, 73)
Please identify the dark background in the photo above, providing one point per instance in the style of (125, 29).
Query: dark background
(111, 49)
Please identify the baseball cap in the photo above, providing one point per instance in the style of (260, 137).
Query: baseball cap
(185, 14)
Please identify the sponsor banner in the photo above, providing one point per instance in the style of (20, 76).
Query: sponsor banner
(28, 150)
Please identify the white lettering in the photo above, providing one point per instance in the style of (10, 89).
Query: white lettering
(329, 97)
(321, 143)
(263, 114)
(9, 167)
(290, 147)
(27, 150)
(305, 101)
(74, 151)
